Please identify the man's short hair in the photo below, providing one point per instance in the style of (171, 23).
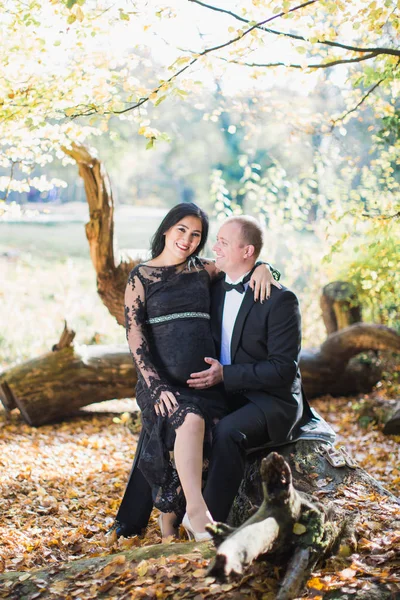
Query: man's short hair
(251, 232)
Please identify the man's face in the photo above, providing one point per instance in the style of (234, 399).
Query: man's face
(230, 249)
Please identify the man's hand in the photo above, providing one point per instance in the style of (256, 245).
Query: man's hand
(209, 377)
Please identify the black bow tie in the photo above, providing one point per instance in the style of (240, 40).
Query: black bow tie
(239, 287)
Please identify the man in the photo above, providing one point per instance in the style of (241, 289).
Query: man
(259, 347)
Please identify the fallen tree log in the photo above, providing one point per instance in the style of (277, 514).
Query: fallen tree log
(60, 382)
(331, 370)
(62, 580)
(285, 525)
(301, 517)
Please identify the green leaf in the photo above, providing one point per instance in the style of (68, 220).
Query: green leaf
(150, 144)
(160, 99)
(71, 3)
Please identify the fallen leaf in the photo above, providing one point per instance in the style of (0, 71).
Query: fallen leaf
(299, 529)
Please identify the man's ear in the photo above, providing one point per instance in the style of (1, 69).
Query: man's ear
(249, 251)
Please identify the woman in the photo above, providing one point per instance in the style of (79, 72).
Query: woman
(167, 303)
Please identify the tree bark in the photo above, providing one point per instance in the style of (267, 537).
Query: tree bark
(340, 306)
(296, 524)
(60, 382)
(111, 277)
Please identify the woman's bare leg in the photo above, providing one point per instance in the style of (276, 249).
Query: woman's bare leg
(188, 454)
(168, 521)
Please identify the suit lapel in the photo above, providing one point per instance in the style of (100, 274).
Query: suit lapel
(217, 307)
(248, 302)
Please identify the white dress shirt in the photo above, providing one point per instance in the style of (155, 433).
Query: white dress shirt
(232, 304)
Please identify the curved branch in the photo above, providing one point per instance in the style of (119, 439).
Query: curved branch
(389, 51)
(382, 217)
(93, 110)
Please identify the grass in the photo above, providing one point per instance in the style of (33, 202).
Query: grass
(62, 238)
(37, 294)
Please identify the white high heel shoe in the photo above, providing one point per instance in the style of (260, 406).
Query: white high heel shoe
(192, 534)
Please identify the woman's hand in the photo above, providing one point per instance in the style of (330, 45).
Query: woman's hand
(261, 281)
(166, 404)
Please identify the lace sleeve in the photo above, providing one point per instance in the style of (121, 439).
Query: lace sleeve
(211, 268)
(135, 317)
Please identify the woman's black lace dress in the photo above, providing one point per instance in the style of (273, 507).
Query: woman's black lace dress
(167, 313)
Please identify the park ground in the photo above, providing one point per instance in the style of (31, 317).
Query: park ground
(61, 486)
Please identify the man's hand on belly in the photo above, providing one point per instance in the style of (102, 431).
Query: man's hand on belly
(209, 377)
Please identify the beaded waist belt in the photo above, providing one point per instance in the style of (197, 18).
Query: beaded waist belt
(181, 315)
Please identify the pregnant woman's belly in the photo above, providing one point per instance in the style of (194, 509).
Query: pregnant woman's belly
(179, 348)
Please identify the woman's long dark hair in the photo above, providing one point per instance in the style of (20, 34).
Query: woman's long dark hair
(176, 214)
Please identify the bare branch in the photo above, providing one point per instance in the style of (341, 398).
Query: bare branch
(382, 217)
(357, 106)
(93, 110)
(332, 63)
(390, 51)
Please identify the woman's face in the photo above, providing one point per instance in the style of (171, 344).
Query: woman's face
(182, 239)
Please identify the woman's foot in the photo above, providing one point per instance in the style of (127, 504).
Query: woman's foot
(202, 536)
(166, 522)
(199, 519)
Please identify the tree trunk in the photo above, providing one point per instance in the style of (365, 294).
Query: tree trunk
(111, 277)
(340, 306)
(301, 517)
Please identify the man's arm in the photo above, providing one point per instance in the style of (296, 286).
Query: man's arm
(282, 348)
(282, 342)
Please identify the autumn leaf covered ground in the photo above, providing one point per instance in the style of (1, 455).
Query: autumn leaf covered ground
(60, 489)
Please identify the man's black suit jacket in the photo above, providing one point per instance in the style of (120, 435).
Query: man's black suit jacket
(265, 352)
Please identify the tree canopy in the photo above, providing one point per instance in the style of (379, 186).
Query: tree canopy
(70, 66)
